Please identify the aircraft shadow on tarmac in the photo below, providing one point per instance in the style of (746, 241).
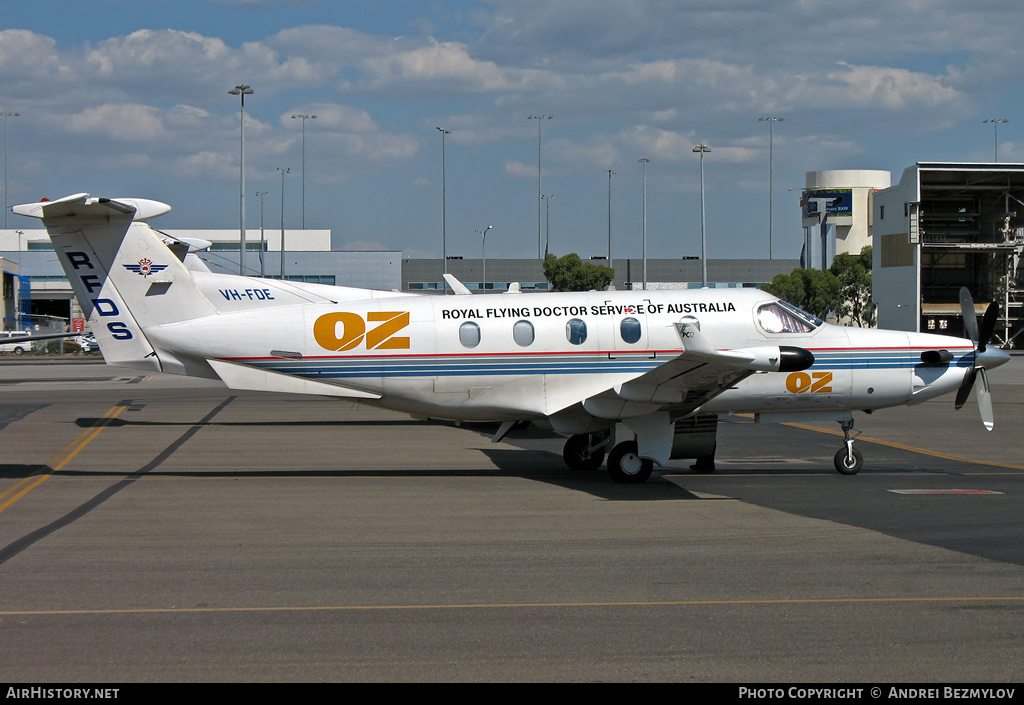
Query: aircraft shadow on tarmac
(530, 463)
(118, 423)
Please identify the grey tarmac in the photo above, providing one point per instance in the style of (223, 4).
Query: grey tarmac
(156, 529)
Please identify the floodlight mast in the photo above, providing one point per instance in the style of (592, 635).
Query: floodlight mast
(241, 90)
(540, 194)
(996, 122)
(444, 211)
(304, 118)
(644, 161)
(703, 149)
(771, 193)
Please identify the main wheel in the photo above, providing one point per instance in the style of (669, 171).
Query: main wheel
(846, 465)
(626, 465)
(578, 455)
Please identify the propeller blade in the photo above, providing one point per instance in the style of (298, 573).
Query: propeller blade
(988, 325)
(970, 315)
(965, 387)
(985, 401)
(981, 339)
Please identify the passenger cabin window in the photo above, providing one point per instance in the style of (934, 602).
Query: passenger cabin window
(781, 317)
(469, 334)
(576, 331)
(629, 329)
(522, 333)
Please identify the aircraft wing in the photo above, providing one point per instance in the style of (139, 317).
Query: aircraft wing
(700, 373)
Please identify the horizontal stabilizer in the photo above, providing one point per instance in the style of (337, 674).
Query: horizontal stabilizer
(82, 205)
(244, 377)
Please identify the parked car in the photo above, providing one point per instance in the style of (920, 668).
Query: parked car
(87, 343)
(16, 348)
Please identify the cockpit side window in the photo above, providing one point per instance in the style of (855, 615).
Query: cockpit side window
(781, 317)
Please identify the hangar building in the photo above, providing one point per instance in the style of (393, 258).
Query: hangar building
(946, 226)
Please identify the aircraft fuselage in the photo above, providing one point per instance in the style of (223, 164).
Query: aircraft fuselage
(521, 356)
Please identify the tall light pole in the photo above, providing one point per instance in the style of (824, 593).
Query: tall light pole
(540, 121)
(283, 171)
(547, 223)
(304, 118)
(5, 116)
(260, 195)
(241, 90)
(17, 295)
(771, 220)
(995, 127)
(703, 149)
(644, 161)
(483, 257)
(444, 210)
(610, 172)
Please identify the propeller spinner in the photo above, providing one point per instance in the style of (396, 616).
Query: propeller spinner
(985, 357)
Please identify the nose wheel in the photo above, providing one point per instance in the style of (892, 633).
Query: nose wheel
(848, 460)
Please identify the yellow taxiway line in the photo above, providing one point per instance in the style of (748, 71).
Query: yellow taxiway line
(901, 446)
(20, 489)
(522, 605)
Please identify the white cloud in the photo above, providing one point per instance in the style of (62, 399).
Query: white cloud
(448, 67)
(514, 168)
(25, 54)
(133, 123)
(332, 118)
(216, 165)
(887, 87)
(596, 152)
(663, 145)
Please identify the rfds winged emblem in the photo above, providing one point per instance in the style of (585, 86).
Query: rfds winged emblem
(145, 267)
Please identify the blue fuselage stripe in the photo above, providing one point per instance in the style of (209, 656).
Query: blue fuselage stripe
(546, 363)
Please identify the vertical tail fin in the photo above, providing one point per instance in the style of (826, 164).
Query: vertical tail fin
(112, 257)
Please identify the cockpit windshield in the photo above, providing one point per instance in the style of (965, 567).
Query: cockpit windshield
(781, 317)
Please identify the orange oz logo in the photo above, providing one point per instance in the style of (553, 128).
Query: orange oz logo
(341, 330)
(815, 383)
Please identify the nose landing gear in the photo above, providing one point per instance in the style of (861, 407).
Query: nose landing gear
(848, 460)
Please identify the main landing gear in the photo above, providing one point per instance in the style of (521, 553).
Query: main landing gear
(625, 464)
(586, 452)
(849, 460)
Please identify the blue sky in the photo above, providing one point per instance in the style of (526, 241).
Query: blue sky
(129, 98)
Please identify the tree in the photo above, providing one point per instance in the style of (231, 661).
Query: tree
(570, 273)
(812, 290)
(854, 275)
(844, 289)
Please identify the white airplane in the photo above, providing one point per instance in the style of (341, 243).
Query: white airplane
(641, 375)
